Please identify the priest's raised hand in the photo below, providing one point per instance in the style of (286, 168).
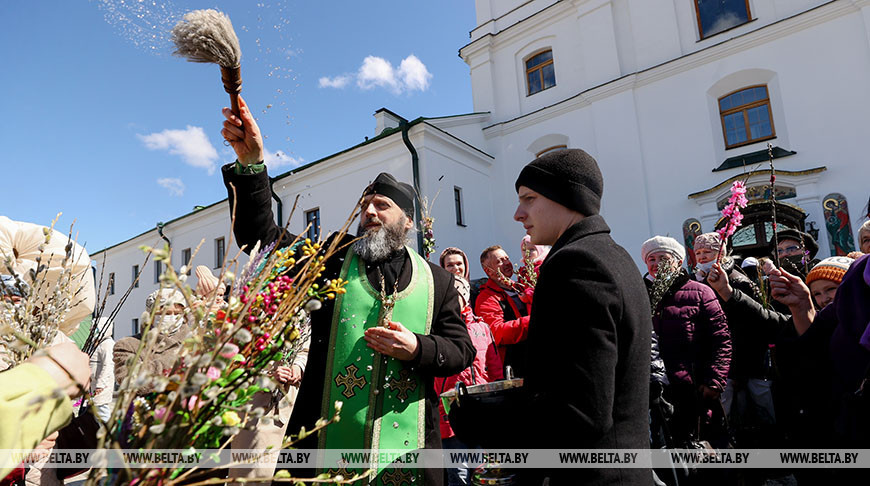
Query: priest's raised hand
(243, 134)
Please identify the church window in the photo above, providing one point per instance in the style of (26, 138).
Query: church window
(312, 222)
(540, 72)
(746, 116)
(716, 16)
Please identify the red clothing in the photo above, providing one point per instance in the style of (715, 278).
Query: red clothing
(486, 368)
(15, 477)
(509, 325)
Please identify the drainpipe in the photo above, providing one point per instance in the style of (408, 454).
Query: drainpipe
(415, 164)
(160, 232)
(278, 200)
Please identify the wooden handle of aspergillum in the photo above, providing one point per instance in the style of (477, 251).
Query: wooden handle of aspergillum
(232, 78)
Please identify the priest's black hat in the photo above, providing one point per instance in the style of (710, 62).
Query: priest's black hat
(401, 193)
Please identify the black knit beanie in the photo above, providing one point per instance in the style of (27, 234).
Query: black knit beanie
(570, 177)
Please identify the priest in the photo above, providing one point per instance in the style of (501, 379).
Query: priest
(377, 347)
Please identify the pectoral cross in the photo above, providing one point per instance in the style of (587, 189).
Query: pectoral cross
(387, 301)
(386, 312)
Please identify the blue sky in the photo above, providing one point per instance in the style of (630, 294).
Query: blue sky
(101, 122)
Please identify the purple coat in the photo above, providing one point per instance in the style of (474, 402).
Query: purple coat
(852, 307)
(693, 334)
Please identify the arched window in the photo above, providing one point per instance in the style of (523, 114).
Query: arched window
(540, 73)
(746, 116)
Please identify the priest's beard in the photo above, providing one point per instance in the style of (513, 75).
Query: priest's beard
(377, 244)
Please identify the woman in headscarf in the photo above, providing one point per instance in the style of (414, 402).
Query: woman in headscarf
(170, 323)
(693, 337)
(454, 261)
(537, 253)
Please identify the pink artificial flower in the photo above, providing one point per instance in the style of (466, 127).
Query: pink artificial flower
(192, 404)
(213, 373)
(162, 413)
(229, 350)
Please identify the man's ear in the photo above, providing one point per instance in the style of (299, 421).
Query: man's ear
(409, 223)
(487, 269)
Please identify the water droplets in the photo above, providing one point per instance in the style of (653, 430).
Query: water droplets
(146, 25)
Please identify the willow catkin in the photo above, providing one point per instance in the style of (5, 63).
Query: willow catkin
(207, 36)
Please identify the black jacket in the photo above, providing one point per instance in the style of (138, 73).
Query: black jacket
(589, 353)
(749, 342)
(445, 351)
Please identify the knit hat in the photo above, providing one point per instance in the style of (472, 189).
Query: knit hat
(792, 234)
(569, 177)
(663, 243)
(166, 296)
(749, 262)
(708, 241)
(401, 193)
(832, 268)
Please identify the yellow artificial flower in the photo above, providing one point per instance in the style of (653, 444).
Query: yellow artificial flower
(231, 418)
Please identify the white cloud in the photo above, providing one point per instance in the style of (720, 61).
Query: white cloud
(414, 74)
(173, 185)
(337, 82)
(377, 72)
(191, 144)
(280, 159)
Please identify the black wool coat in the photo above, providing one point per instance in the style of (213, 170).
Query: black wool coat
(445, 351)
(589, 354)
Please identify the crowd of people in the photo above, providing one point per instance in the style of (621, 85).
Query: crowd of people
(753, 352)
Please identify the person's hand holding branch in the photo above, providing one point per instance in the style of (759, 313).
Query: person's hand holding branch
(68, 366)
(718, 281)
(793, 292)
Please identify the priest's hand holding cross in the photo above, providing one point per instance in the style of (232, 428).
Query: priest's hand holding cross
(395, 340)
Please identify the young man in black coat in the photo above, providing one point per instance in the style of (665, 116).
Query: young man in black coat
(590, 327)
(441, 348)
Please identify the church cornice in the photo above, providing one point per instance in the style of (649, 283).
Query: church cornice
(764, 34)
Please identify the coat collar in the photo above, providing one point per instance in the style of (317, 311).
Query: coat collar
(587, 226)
(494, 286)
